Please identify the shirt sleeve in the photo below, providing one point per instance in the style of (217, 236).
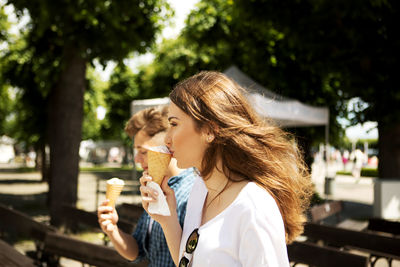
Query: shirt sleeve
(262, 239)
(139, 236)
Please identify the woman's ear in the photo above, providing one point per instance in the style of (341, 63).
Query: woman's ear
(207, 134)
(210, 138)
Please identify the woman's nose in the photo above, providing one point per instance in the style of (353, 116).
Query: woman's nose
(167, 139)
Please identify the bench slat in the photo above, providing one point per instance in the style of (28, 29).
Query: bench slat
(11, 257)
(325, 210)
(65, 246)
(381, 225)
(314, 255)
(74, 216)
(13, 220)
(130, 211)
(368, 241)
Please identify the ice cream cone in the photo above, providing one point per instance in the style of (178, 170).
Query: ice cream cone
(114, 188)
(157, 163)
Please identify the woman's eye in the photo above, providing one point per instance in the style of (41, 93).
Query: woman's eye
(173, 124)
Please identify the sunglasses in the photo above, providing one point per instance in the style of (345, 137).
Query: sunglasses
(191, 245)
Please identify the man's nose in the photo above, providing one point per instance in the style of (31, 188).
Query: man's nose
(137, 158)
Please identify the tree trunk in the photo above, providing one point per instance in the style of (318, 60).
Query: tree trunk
(45, 169)
(41, 162)
(38, 159)
(65, 131)
(389, 150)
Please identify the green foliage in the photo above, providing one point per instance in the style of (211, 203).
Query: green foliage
(369, 172)
(107, 30)
(119, 95)
(205, 44)
(97, 29)
(320, 52)
(34, 77)
(6, 106)
(354, 40)
(221, 33)
(316, 199)
(4, 25)
(125, 168)
(5, 99)
(93, 98)
(372, 143)
(365, 172)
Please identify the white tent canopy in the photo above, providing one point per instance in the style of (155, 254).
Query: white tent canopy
(286, 112)
(138, 105)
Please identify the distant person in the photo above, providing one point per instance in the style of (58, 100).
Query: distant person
(345, 158)
(358, 158)
(148, 127)
(254, 187)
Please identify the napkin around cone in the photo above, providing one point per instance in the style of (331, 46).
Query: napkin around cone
(113, 191)
(157, 163)
(161, 205)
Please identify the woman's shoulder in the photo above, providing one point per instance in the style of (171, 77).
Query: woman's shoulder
(258, 209)
(253, 197)
(252, 191)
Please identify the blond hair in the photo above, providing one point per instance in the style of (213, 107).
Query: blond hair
(248, 146)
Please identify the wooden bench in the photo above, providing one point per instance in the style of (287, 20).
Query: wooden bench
(24, 226)
(15, 224)
(318, 256)
(11, 257)
(378, 246)
(130, 212)
(323, 211)
(85, 252)
(385, 226)
(74, 216)
(93, 254)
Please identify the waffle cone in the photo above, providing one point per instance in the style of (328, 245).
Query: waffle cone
(157, 163)
(112, 193)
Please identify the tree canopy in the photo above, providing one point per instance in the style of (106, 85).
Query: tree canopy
(319, 52)
(62, 37)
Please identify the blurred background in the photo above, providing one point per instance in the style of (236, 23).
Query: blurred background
(71, 71)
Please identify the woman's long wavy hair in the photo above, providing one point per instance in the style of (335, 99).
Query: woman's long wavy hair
(247, 146)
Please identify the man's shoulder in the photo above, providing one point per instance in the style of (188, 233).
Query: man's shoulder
(185, 178)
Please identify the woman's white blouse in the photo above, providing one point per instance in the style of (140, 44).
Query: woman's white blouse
(249, 232)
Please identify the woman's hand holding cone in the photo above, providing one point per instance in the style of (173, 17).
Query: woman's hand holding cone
(150, 195)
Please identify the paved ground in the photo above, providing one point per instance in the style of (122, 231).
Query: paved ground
(26, 192)
(23, 189)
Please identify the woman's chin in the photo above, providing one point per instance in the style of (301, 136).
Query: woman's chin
(182, 165)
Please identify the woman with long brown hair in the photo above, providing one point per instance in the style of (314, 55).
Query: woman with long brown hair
(254, 189)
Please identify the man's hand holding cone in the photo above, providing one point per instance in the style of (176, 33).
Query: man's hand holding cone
(114, 188)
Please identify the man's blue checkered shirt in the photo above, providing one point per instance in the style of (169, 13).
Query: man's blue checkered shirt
(154, 246)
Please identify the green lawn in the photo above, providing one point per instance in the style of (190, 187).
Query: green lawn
(367, 172)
